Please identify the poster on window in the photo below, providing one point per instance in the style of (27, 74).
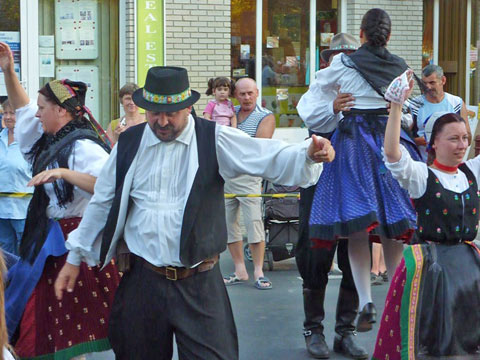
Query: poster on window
(76, 29)
(12, 38)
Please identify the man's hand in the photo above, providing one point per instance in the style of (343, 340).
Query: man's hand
(320, 150)
(66, 279)
(343, 102)
(6, 56)
(420, 141)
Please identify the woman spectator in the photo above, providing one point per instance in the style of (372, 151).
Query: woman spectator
(14, 194)
(132, 115)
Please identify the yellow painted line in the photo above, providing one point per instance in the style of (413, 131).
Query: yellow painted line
(15, 195)
(277, 196)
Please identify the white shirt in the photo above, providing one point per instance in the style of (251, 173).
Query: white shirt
(412, 175)
(86, 157)
(163, 175)
(316, 105)
(7, 355)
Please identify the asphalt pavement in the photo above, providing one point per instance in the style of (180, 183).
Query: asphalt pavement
(269, 322)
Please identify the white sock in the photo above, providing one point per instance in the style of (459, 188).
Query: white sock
(360, 260)
(393, 252)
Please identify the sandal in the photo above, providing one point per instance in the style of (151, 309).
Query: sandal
(260, 283)
(232, 279)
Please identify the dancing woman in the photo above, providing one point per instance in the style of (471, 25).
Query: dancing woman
(356, 196)
(431, 309)
(66, 153)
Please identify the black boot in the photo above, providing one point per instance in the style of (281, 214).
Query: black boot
(347, 345)
(345, 339)
(313, 328)
(366, 318)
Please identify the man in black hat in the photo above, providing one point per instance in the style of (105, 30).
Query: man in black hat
(314, 264)
(159, 208)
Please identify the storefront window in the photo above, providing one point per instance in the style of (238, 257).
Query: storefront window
(327, 26)
(10, 33)
(285, 58)
(427, 44)
(286, 55)
(285, 39)
(79, 41)
(243, 38)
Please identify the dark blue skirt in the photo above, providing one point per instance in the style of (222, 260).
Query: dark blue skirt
(355, 191)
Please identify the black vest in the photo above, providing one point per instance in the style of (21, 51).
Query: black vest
(204, 231)
(446, 216)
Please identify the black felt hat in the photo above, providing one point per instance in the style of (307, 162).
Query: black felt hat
(166, 89)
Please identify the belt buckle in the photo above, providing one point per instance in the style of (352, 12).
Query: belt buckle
(169, 270)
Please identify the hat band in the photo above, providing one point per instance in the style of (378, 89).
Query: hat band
(166, 99)
(344, 47)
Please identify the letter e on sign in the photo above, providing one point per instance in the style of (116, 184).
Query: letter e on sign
(150, 5)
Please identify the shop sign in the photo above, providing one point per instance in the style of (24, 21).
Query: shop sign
(150, 36)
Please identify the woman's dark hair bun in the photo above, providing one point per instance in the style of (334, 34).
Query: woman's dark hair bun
(377, 26)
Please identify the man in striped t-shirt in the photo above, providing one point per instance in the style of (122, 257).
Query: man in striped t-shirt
(256, 122)
(434, 100)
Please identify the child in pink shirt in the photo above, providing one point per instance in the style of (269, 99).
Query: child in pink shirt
(221, 109)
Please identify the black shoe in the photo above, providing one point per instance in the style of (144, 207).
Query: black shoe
(316, 345)
(346, 344)
(366, 318)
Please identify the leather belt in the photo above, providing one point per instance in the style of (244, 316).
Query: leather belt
(179, 273)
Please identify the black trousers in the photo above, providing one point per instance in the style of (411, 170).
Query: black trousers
(314, 264)
(149, 309)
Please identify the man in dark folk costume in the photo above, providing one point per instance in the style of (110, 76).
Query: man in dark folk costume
(159, 201)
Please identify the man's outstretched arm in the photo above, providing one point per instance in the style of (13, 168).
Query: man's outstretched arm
(274, 160)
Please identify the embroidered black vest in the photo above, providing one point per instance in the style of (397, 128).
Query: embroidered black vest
(204, 231)
(446, 216)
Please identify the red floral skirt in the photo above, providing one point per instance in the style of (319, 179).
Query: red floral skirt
(77, 324)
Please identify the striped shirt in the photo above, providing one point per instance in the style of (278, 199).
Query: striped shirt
(250, 124)
(422, 109)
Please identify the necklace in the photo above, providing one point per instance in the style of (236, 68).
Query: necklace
(444, 167)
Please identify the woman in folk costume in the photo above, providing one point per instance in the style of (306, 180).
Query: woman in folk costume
(431, 310)
(5, 349)
(67, 152)
(356, 196)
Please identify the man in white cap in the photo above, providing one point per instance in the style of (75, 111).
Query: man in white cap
(159, 208)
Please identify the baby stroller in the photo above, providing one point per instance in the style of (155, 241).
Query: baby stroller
(280, 217)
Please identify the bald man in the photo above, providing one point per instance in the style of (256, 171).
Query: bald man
(256, 122)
